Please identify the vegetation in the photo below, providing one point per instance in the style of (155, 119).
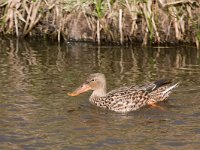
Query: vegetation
(122, 21)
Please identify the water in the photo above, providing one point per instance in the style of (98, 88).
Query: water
(36, 113)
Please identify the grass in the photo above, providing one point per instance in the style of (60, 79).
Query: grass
(109, 20)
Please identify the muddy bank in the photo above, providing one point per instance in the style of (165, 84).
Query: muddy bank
(128, 21)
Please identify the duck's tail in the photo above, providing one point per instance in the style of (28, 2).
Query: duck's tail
(169, 89)
(161, 91)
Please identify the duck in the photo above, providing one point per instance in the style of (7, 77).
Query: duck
(127, 98)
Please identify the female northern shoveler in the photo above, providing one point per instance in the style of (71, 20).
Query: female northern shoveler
(124, 99)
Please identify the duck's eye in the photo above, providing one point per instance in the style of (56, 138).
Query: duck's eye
(92, 80)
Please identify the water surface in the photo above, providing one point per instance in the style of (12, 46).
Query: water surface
(36, 113)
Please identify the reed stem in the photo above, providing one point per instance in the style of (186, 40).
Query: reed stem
(121, 27)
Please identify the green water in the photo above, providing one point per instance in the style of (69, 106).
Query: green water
(36, 113)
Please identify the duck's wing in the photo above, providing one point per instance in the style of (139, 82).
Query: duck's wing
(149, 87)
(135, 90)
(125, 99)
(125, 92)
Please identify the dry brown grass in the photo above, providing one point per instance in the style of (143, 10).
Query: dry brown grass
(121, 21)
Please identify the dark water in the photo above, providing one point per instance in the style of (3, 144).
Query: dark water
(36, 113)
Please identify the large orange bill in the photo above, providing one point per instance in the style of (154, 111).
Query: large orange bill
(80, 90)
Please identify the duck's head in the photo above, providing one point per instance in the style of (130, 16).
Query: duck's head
(95, 82)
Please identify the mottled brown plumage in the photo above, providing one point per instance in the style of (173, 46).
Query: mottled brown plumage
(124, 99)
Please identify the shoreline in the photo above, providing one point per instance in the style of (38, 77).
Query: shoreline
(98, 21)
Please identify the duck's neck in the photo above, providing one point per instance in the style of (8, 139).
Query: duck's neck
(98, 93)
